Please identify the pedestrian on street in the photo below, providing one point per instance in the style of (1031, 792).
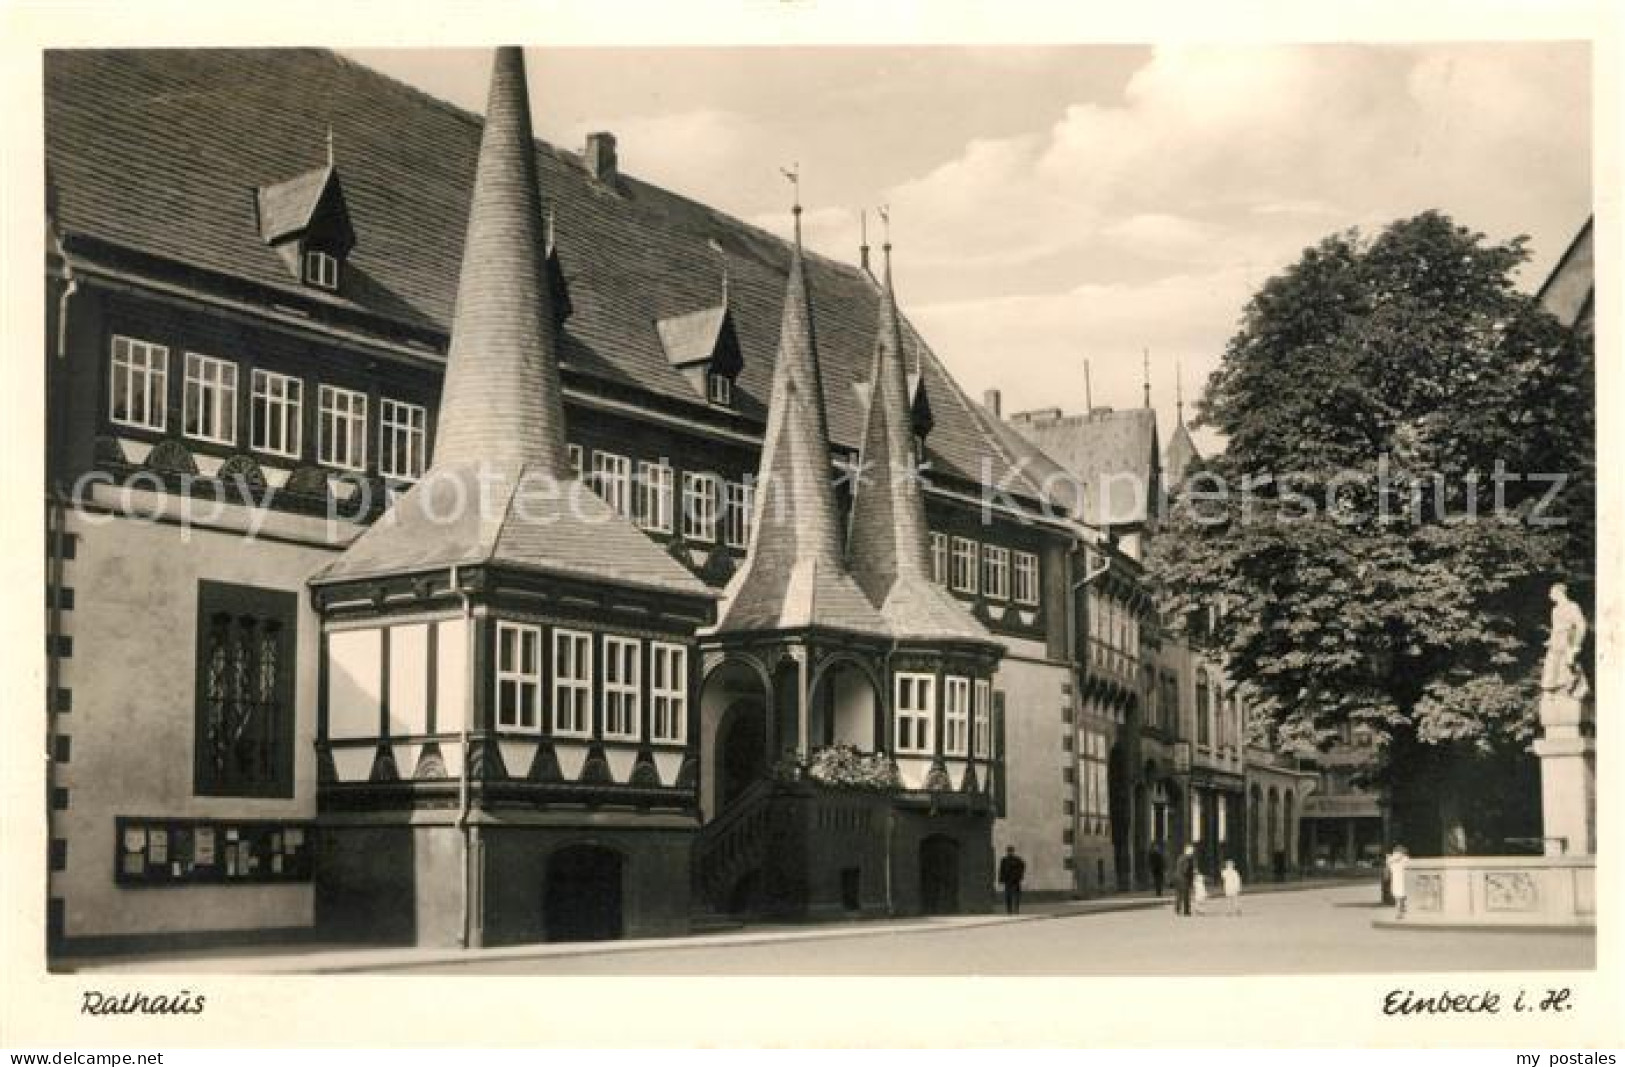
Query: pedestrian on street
(1184, 880)
(1199, 893)
(1398, 860)
(1012, 869)
(1232, 886)
(1155, 864)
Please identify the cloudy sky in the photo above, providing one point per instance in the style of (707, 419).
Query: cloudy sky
(1062, 204)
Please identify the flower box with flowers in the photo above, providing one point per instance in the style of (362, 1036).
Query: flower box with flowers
(844, 767)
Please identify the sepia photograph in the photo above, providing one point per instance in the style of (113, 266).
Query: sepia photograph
(1048, 507)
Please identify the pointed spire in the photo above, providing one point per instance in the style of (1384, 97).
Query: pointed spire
(794, 574)
(1145, 376)
(888, 541)
(491, 495)
(1179, 393)
(502, 397)
(1088, 390)
(797, 425)
(863, 240)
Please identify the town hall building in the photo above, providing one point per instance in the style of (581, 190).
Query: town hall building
(455, 540)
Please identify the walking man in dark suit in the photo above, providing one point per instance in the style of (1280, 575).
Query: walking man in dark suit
(1012, 869)
(1184, 880)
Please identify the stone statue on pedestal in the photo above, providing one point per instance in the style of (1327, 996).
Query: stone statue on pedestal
(1566, 748)
(1563, 686)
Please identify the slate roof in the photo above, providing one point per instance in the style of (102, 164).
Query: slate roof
(1113, 453)
(500, 489)
(1179, 456)
(287, 207)
(888, 542)
(1052, 481)
(160, 152)
(1569, 291)
(692, 338)
(794, 575)
(509, 515)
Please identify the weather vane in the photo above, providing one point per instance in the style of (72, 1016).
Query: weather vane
(793, 174)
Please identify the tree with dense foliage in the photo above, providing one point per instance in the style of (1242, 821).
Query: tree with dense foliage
(1408, 465)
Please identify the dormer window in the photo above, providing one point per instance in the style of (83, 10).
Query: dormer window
(305, 221)
(321, 270)
(720, 389)
(703, 347)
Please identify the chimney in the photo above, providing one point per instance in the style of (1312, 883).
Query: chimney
(993, 401)
(600, 156)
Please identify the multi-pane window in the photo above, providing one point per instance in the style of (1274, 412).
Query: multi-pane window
(243, 746)
(139, 384)
(939, 558)
(1170, 702)
(572, 683)
(574, 453)
(654, 492)
(964, 565)
(1026, 585)
(1204, 728)
(321, 269)
(209, 403)
(519, 676)
(720, 388)
(341, 427)
(1098, 771)
(622, 684)
(996, 572)
(400, 439)
(916, 711)
(699, 506)
(278, 404)
(612, 477)
(982, 721)
(668, 693)
(736, 523)
(955, 716)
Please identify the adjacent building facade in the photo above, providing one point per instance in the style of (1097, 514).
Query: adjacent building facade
(1172, 756)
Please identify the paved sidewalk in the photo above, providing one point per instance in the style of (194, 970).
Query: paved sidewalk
(308, 958)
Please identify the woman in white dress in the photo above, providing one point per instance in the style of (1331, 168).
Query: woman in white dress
(1398, 860)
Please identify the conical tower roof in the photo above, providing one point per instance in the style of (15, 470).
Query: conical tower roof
(794, 575)
(1179, 456)
(500, 489)
(888, 544)
(502, 399)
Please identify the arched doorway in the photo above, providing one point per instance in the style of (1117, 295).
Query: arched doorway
(735, 689)
(1119, 797)
(582, 897)
(939, 875)
(741, 751)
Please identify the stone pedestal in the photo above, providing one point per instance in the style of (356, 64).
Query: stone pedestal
(1568, 794)
(1568, 775)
